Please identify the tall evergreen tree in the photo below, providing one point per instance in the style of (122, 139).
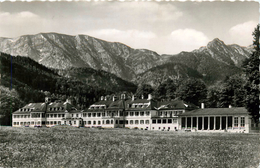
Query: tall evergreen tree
(192, 91)
(251, 69)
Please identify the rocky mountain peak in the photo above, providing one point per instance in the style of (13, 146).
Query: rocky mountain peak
(216, 43)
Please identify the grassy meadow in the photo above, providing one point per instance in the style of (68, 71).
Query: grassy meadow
(85, 147)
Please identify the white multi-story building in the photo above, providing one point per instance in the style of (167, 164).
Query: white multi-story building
(146, 114)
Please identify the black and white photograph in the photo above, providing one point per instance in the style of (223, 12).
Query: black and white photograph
(129, 84)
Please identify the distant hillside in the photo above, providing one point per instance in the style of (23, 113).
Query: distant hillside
(159, 74)
(214, 61)
(31, 80)
(98, 78)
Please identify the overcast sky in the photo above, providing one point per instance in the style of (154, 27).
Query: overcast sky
(164, 27)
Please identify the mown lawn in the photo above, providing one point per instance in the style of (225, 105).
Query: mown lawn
(82, 147)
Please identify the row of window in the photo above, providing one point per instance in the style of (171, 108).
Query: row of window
(164, 121)
(169, 113)
(137, 113)
(56, 108)
(55, 115)
(117, 122)
(27, 123)
(21, 116)
(138, 106)
(26, 109)
(112, 114)
(213, 122)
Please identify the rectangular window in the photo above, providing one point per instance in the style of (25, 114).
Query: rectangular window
(160, 113)
(74, 122)
(94, 122)
(136, 121)
(169, 121)
(121, 121)
(103, 114)
(164, 121)
(131, 122)
(141, 113)
(141, 121)
(72, 115)
(99, 122)
(55, 122)
(51, 115)
(131, 113)
(89, 122)
(147, 113)
(165, 114)
(136, 113)
(242, 122)
(84, 114)
(235, 121)
(59, 115)
(55, 115)
(98, 114)
(146, 121)
(126, 122)
(126, 114)
(93, 114)
(89, 114)
(159, 121)
(77, 115)
(63, 115)
(59, 122)
(154, 121)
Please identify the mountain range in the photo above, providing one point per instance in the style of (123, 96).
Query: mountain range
(211, 63)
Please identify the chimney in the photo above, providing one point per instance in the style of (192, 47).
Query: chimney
(149, 97)
(230, 106)
(114, 98)
(133, 97)
(102, 98)
(47, 100)
(202, 106)
(123, 96)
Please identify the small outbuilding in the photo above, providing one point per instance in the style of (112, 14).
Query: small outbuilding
(216, 120)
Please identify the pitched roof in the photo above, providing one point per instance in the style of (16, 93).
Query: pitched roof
(217, 111)
(40, 107)
(37, 107)
(119, 104)
(175, 104)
